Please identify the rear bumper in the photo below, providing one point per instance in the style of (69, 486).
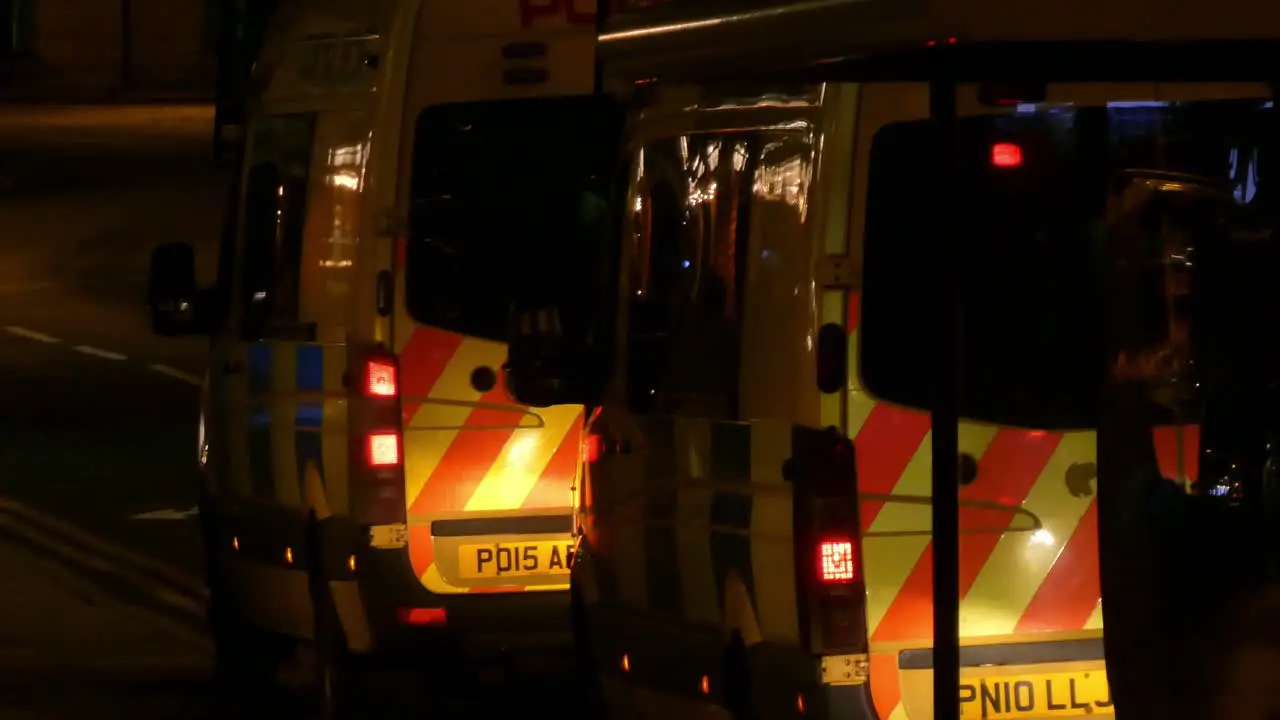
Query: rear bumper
(266, 558)
(848, 701)
(475, 625)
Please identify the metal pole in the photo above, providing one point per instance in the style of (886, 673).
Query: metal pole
(945, 412)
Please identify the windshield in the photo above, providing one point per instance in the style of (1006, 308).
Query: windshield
(1032, 204)
(500, 192)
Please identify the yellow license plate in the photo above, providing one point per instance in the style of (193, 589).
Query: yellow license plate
(1047, 695)
(498, 560)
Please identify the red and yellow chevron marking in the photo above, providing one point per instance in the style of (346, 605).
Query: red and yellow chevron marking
(1017, 577)
(468, 452)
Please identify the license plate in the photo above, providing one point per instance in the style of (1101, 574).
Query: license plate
(1047, 695)
(549, 557)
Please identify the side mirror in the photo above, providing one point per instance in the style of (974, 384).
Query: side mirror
(1163, 231)
(172, 295)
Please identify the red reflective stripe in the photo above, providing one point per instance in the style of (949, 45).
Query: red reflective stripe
(552, 488)
(1166, 446)
(1006, 473)
(855, 305)
(911, 614)
(1070, 592)
(421, 549)
(422, 362)
(887, 441)
(470, 456)
(885, 690)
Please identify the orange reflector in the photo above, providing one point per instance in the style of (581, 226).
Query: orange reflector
(423, 616)
(626, 663)
(800, 703)
(706, 685)
(288, 555)
(384, 449)
(380, 378)
(351, 563)
(235, 543)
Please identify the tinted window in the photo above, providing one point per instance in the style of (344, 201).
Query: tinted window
(275, 196)
(689, 234)
(499, 191)
(1029, 226)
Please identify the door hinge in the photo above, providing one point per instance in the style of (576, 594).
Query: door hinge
(388, 537)
(834, 271)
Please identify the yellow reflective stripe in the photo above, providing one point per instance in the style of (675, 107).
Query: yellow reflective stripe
(831, 405)
(522, 461)
(425, 448)
(889, 559)
(1021, 560)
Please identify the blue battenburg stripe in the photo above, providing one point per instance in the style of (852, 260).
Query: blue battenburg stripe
(259, 367)
(310, 368)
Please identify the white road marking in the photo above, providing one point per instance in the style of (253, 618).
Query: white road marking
(30, 334)
(179, 374)
(96, 352)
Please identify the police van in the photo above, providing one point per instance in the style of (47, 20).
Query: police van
(757, 529)
(370, 489)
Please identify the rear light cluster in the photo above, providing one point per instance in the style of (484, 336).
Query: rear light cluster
(824, 479)
(382, 447)
(835, 561)
(377, 450)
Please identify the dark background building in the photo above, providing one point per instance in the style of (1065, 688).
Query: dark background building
(84, 50)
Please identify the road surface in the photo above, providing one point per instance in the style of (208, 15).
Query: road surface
(99, 417)
(70, 647)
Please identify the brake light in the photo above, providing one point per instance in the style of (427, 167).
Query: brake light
(1006, 155)
(592, 448)
(383, 449)
(380, 378)
(835, 561)
(423, 616)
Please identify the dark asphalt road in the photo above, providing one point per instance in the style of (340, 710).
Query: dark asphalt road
(69, 648)
(97, 417)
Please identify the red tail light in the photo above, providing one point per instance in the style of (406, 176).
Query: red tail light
(592, 447)
(383, 449)
(836, 561)
(422, 616)
(380, 378)
(1006, 155)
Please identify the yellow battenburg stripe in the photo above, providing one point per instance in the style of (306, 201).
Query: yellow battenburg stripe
(334, 450)
(693, 508)
(512, 476)
(859, 404)
(435, 425)
(890, 557)
(1022, 560)
(237, 435)
(831, 405)
(773, 532)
